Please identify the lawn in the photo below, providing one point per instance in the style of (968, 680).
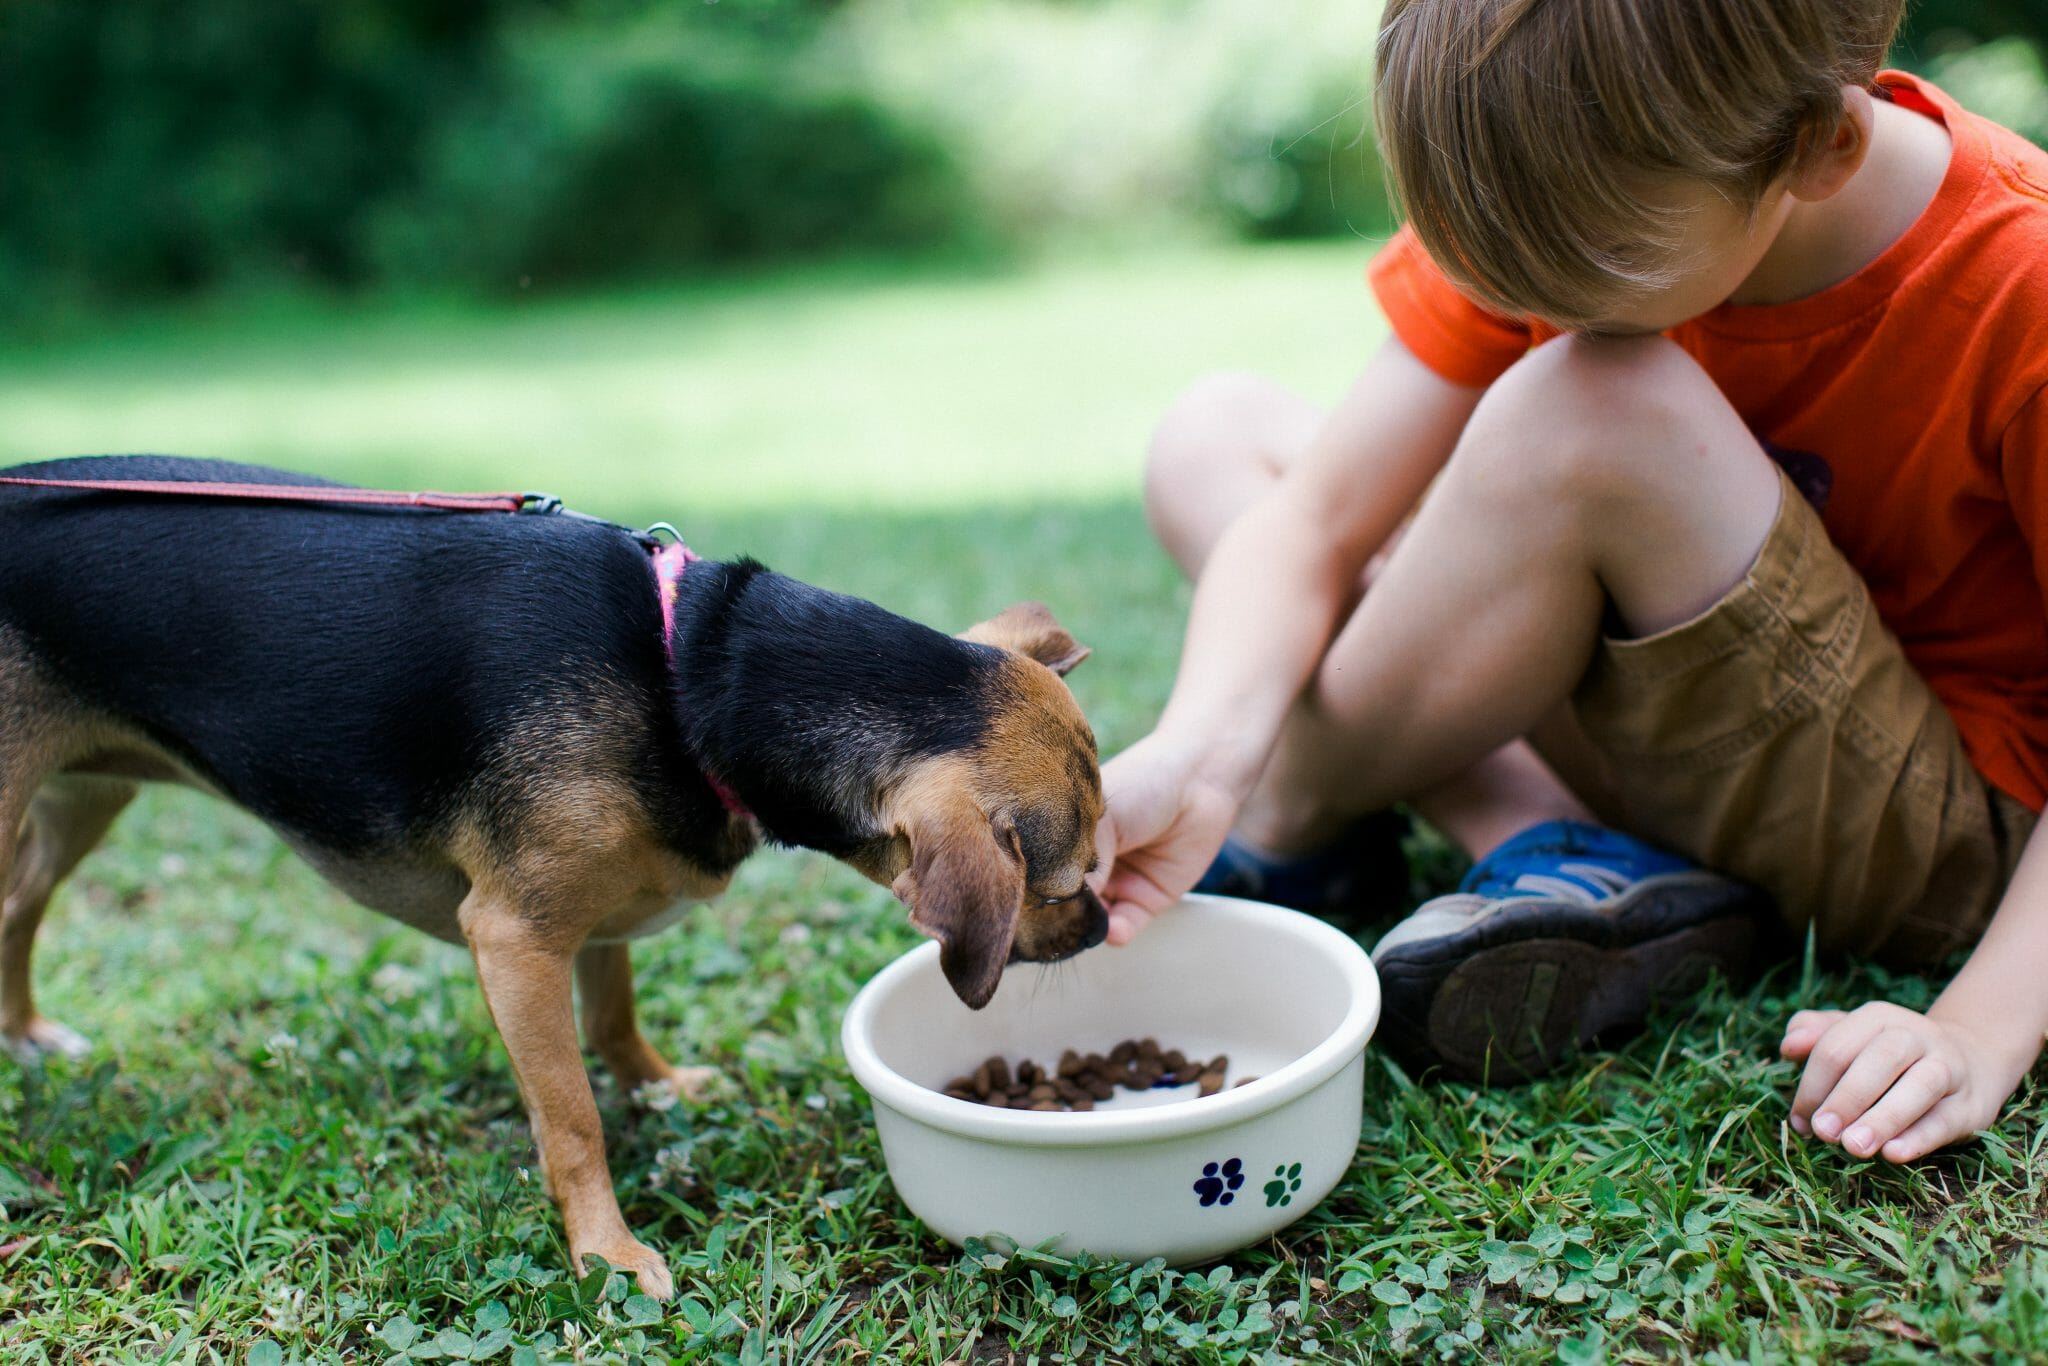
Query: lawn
(299, 1139)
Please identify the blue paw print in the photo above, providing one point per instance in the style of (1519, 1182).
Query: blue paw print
(1219, 1182)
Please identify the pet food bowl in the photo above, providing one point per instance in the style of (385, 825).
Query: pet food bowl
(1149, 1174)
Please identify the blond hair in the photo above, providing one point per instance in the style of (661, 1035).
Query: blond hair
(1521, 135)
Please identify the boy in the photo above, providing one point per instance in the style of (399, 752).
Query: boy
(1723, 358)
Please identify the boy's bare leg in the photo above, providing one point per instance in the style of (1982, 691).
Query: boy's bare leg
(1221, 446)
(1593, 472)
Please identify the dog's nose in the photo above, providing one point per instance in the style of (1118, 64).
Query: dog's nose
(1098, 930)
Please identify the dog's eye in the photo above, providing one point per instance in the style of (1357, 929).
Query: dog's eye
(1056, 900)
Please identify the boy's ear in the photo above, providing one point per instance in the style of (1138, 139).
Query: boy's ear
(1030, 630)
(1829, 157)
(965, 888)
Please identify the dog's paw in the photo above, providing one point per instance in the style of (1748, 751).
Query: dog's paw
(692, 1084)
(696, 1084)
(43, 1038)
(632, 1255)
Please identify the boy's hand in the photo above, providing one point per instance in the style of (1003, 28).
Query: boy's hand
(1884, 1079)
(1278, 583)
(1161, 827)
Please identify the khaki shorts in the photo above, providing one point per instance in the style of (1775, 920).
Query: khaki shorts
(1782, 738)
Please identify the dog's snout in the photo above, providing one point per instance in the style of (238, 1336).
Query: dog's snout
(1054, 934)
(1098, 924)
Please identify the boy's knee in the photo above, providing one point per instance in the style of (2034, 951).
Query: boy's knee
(1612, 371)
(1214, 422)
(1592, 415)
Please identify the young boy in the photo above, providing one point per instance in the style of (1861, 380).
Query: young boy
(1723, 359)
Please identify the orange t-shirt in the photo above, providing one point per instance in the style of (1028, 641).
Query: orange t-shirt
(1909, 403)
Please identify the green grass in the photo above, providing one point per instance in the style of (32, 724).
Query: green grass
(300, 1134)
(841, 388)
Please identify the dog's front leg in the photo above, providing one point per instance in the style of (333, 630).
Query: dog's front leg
(604, 979)
(525, 971)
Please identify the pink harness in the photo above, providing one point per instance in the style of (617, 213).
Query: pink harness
(670, 560)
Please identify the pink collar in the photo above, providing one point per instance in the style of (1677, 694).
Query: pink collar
(669, 563)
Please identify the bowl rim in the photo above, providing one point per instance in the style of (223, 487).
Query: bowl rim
(1277, 1088)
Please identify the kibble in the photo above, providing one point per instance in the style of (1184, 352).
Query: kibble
(1081, 1081)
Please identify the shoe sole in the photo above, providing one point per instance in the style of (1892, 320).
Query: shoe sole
(1516, 994)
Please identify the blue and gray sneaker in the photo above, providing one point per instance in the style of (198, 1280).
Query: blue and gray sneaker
(1563, 934)
(1362, 875)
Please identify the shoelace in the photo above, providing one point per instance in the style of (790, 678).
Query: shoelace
(1586, 883)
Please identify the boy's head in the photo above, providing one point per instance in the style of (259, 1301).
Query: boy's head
(1619, 164)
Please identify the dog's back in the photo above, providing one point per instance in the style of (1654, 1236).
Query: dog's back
(329, 668)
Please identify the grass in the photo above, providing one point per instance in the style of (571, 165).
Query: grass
(842, 388)
(300, 1140)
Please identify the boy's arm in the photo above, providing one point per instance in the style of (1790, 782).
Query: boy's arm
(1265, 607)
(1886, 1079)
(1949, 1072)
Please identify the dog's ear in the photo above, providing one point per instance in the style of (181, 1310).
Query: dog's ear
(1029, 629)
(965, 888)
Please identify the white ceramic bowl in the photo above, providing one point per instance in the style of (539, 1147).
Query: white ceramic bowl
(1157, 1174)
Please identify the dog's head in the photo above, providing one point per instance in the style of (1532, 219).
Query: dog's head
(991, 843)
(955, 770)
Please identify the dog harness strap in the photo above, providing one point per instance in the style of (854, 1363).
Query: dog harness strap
(286, 493)
(669, 563)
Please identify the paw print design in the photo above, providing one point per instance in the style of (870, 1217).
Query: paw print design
(1286, 1181)
(1219, 1182)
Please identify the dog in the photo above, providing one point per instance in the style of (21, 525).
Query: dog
(535, 736)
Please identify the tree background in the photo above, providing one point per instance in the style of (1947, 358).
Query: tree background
(157, 149)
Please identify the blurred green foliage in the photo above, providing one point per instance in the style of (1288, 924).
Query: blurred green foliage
(151, 146)
(639, 144)
(154, 148)
(1991, 54)
(157, 148)
(1248, 116)
(1971, 21)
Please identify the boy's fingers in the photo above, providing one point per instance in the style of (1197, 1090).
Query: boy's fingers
(1880, 1062)
(1133, 899)
(1124, 923)
(1105, 854)
(1938, 1128)
(1130, 888)
(1804, 1030)
(1925, 1085)
(1826, 1061)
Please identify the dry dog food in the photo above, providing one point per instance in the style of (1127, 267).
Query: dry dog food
(1079, 1080)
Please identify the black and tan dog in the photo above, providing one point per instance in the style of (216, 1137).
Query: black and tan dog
(479, 725)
